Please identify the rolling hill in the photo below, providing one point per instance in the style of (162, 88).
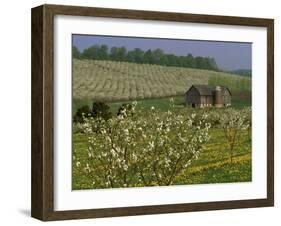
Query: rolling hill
(120, 81)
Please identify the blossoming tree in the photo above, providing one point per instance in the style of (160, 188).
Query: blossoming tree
(140, 150)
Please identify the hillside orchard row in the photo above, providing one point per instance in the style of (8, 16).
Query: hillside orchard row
(121, 81)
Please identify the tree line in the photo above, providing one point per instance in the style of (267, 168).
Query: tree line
(243, 72)
(137, 55)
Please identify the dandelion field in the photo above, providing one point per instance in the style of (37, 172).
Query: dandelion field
(216, 169)
(174, 147)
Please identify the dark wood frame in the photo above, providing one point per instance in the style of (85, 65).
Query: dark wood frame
(42, 203)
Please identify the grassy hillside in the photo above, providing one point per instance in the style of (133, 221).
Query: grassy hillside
(121, 81)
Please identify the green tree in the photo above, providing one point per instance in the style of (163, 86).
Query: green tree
(101, 110)
(190, 62)
(103, 52)
(199, 62)
(75, 52)
(213, 64)
(96, 52)
(171, 60)
(82, 113)
(91, 52)
(148, 57)
(118, 53)
(138, 55)
(157, 55)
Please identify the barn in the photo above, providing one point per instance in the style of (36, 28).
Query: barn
(208, 96)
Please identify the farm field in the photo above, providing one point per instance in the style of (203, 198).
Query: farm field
(199, 147)
(121, 81)
(212, 166)
(160, 103)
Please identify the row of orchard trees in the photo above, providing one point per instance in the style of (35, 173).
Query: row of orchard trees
(115, 81)
(133, 150)
(234, 83)
(137, 55)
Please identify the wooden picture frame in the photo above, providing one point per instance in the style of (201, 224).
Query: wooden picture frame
(42, 203)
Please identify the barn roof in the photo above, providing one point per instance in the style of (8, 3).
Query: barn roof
(207, 90)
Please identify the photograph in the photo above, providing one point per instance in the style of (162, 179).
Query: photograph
(160, 112)
(138, 112)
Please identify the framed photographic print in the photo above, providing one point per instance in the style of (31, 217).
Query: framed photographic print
(141, 112)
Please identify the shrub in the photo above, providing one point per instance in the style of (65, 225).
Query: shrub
(125, 110)
(82, 113)
(101, 110)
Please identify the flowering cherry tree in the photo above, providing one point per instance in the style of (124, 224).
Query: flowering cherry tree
(146, 148)
(233, 121)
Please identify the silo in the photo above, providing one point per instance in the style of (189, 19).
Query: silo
(218, 97)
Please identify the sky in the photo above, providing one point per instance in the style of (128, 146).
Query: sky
(228, 55)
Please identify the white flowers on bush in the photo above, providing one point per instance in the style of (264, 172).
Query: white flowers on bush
(141, 149)
(233, 121)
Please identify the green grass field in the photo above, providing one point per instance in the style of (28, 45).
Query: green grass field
(159, 103)
(214, 165)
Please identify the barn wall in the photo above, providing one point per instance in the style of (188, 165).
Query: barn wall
(210, 100)
(206, 101)
(226, 97)
(192, 97)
